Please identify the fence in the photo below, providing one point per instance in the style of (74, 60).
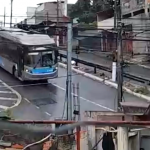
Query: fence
(58, 142)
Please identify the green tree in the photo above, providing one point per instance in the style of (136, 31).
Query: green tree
(86, 10)
(81, 10)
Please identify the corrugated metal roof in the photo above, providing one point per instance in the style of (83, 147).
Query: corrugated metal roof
(25, 38)
(89, 33)
(106, 24)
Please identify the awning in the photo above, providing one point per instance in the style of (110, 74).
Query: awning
(106, 24)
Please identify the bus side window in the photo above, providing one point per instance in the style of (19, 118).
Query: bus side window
(27, 60)
(1, 46)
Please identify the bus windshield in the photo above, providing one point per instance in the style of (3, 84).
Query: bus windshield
(39, 59)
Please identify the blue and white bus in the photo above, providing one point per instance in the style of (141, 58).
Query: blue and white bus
(28, 56)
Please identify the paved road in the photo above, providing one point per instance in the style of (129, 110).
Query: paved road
(133, 69)
(46, 101)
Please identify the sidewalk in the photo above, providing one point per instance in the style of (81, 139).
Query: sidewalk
(134, 69)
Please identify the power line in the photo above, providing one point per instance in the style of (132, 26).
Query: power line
(55, 15)
(85, 49)
(138, 28)
(79, 26)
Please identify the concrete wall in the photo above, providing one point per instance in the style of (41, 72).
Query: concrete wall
(145, 142)
(31, 21)
(134, 141)
(48, 11)
(145, 139)
(134, 138)
(52, 8)
(105, 24)
(139, 26)
(131, 5)
(30, 11)
(139, 23)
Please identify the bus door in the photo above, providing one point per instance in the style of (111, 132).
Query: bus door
(20, 61)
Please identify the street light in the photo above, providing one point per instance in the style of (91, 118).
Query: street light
(11, 13)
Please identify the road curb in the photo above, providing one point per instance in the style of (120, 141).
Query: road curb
(15, 92)
(106, 82)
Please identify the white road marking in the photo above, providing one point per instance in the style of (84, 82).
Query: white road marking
(6, 92)
(9, 99)
(4, 107)
(30, 102)
(37, 107)
(82, 98)
(48, 114)
(2, 86)
(18, 99)
(27, 100)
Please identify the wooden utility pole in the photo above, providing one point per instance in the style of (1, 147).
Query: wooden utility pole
(11, 12)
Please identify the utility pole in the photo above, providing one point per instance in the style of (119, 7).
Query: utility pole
(79, 118)
(11, 12)
(57, 12)
(4, 15)
(69, 73)
(47, 18)
(76, 101)
(119, 53)
(115, 14)
(122, 134)
(57, 37)
(47, 22)
(65, 12)
(114, 63)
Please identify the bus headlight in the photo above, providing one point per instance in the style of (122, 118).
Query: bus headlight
(27, 70)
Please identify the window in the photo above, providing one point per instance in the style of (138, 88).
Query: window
(140, 2)
(41, 59)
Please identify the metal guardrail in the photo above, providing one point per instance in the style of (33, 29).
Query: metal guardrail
(97, 66)
(137, 78)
